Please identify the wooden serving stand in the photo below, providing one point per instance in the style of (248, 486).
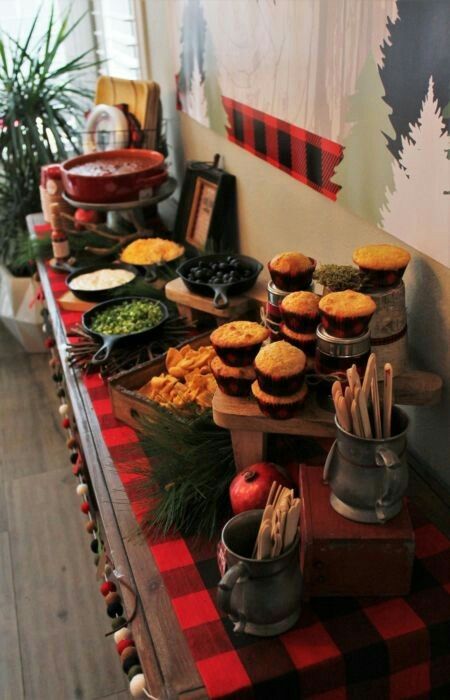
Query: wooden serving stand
(192, 306)
(249, 427)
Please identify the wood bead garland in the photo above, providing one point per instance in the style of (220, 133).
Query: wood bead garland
(112, 598)
(118, 622)
(134, 670)
(65, 423)
(95, 546)
(128, 658)
(73, 457)
(91, 526)
(71, 443)
(137, 686)
(107, 587)
(122, 635)
(61, 393)
(49, 343)
(108, 570)
(114, 609)
(124, 644)
(63, 409)
(82, 489)
(84, 507)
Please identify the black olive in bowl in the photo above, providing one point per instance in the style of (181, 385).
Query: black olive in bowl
(220, 276)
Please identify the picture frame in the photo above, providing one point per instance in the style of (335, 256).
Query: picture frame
(206, 219)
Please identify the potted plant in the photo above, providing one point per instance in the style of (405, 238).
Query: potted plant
(41, 111)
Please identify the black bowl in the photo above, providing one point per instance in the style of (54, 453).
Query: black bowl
(220, 292)
(109, 341)
(100, 294)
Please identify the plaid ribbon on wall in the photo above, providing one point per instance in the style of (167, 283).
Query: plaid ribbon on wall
(341, 648)
(303, 155)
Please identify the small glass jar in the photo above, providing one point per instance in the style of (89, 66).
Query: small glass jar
(336, 355)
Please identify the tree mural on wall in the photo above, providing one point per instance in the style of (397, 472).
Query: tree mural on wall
(198, 85)
(196, 100)
(418, 48)
(192, 40)
(417, 210)
(366, 168)
(216, 112)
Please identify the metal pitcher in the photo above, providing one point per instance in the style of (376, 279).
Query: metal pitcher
(262, 597)
(368, 477)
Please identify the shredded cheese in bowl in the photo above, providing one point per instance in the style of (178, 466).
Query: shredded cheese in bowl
(148, 251)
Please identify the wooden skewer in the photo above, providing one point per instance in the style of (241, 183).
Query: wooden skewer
(376, 404)
(343, 415)
(356, 419)
(356, 379)
(336, 390)
(387, 400)
(367, 382)
(350, 380)
(348, 399)
(364, 413)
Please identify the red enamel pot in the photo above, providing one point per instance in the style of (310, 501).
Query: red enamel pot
(112, 176)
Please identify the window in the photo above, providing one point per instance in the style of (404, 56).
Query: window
(119, 28)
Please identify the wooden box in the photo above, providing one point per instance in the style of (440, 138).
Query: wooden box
(123, 387)
(340, 557)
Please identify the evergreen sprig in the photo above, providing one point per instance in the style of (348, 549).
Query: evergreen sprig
(185, 486)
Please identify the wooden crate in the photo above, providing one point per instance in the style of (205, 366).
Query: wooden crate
(127, 402)
(340, 557)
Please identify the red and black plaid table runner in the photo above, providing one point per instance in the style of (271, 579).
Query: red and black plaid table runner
(300, 153)
(342, 648)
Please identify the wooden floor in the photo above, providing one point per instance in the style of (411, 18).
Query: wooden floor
(52, 616)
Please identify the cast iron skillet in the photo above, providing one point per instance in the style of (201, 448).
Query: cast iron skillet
(109, 341)
(220, 292)
(100, 294)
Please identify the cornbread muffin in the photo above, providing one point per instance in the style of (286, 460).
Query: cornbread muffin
(280, 368)
(304, 341)
(237, 343)
(346, 314)
(292, 271)
(383, 264)
(234, 381)
(279, 407)
(300, 311)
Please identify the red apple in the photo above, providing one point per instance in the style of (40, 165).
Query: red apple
(250, 488)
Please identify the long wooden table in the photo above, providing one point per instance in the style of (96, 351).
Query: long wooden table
(165, 656)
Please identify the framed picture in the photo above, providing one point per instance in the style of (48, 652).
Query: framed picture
(206, 218)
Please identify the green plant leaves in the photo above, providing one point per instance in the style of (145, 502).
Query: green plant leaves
(41, 111)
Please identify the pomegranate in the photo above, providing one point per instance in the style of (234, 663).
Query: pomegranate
(250, 488)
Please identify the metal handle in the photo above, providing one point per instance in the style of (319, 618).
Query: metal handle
(150, 273)
(220, 298)
(328, 461)
(392, 483)
(103, 353)
(226, 585)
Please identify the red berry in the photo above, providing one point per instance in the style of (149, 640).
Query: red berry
(65, 423)
(123, 644)
(107, 587)
(84, 507)
(85, 216)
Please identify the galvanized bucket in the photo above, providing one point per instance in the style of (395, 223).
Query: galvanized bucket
(261, 597)
(368, 477)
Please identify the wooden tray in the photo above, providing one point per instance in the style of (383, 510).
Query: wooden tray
(123, 387)
(186, 301)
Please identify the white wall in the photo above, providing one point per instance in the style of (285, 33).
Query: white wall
(276, 212)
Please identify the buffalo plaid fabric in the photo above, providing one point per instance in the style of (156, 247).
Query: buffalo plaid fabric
(341, 648)
(300, 153)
